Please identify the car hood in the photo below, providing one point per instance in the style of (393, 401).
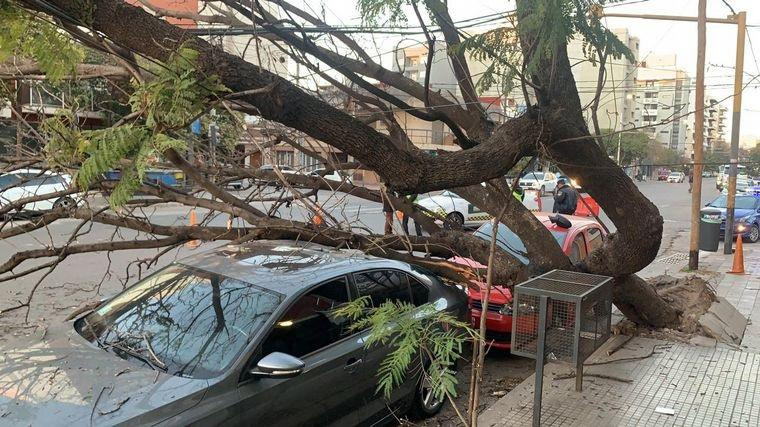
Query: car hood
(64, 380)
(738, 213)
(435, 201)
(499, 294)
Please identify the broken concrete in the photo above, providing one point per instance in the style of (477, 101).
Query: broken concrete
(703, 341)
(724, 322)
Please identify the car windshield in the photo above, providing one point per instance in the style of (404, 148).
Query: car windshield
(7, 181)
(511, 242)
(188, 322)
(742, 202)
(538, 176)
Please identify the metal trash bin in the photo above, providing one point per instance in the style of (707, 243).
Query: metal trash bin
(563, 316)
(709, 229)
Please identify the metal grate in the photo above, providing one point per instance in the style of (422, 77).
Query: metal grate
(578, 315)
(571, 276)
(556, 286)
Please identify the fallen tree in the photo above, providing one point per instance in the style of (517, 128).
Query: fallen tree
(552, 127)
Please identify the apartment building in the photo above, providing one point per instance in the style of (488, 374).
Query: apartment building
(661, 100)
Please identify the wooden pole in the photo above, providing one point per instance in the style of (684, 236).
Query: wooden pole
(741, 20)
(699, 134)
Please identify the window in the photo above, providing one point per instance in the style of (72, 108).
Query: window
(420, 292)
(382, 286)
(595, 239)
(46, 180)
(578, 250)
(195, 322)
(308, 325)
(285, 158)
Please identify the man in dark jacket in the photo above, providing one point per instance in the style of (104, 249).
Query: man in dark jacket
(565, 198)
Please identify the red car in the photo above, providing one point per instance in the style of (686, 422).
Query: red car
(583, 236)
(662, 174)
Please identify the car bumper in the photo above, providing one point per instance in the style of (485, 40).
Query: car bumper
(498, 328)
(739, 229)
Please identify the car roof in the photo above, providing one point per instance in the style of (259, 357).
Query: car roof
(285, 266)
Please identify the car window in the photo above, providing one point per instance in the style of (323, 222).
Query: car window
(9, 180)
(46, 180)
(595, 239)
(511, 242)
(578, 249)
(308, 325)
(195, 322)
(383, 285)
(741, 202)
(420, 292)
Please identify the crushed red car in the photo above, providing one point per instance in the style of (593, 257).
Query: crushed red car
(577, 241)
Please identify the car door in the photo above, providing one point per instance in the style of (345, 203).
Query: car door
(382, 286)
(326, 391)
(594, 239)
(578, 249)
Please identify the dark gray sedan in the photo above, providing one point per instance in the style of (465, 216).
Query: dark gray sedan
(241, 335)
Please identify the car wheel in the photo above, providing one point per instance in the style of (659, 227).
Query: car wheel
(542, 191)
(754, 234)
(64, 202)
(453, 221)
(425, 404)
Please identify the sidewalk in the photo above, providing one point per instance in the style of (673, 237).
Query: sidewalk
(713, 385)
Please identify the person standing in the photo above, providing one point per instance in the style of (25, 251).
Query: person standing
(565, 199)
(388, 211)
(405, 219)
(691, 178)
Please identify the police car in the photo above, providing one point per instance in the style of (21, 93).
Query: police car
(454, 211)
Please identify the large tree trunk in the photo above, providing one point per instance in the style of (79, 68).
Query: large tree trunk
(638, 222)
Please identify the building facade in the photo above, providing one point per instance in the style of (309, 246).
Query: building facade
(661, 101)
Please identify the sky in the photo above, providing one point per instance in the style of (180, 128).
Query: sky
(656, 37)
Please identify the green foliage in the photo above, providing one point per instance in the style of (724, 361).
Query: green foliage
(633, 145)
(415, 337)
(27, 37)
(372, 11)
(164, 107)
(553, 23)
(177, 94)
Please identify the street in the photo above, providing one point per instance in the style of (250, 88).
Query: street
(91, 276)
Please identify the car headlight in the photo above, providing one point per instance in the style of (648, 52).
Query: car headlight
(741, 227)
(506, 310)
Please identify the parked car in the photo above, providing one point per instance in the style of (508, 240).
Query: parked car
(285, 169)
(458, 212)
(583, 236)
(169, 177)
(335, 176)
(544, 182)
(746, 215)
(241, 335)
(662, 174)
(676, 177)
(25, 183)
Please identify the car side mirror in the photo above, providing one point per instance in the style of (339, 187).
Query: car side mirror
(278, 365)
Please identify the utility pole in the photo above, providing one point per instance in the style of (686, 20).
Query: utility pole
(741, 20)
(699, 135)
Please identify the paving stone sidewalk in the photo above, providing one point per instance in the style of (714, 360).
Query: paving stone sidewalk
(704, 386)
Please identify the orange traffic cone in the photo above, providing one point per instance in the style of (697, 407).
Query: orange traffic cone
(192, 244)
(317, 218)
(738, 267)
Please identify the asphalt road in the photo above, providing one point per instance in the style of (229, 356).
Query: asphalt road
(91, 276)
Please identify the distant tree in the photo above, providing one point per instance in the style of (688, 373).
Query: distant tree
(754, 159)
(633, 145)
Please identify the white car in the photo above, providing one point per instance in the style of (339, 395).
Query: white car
(543, 182)
(676, 177)
(332, 176)
(24, 183)
(459, 212)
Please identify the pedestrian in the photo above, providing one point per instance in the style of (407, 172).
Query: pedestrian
(691, 178)
(565, 198)
(519, 193)
(405, 219)
(388, 211)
